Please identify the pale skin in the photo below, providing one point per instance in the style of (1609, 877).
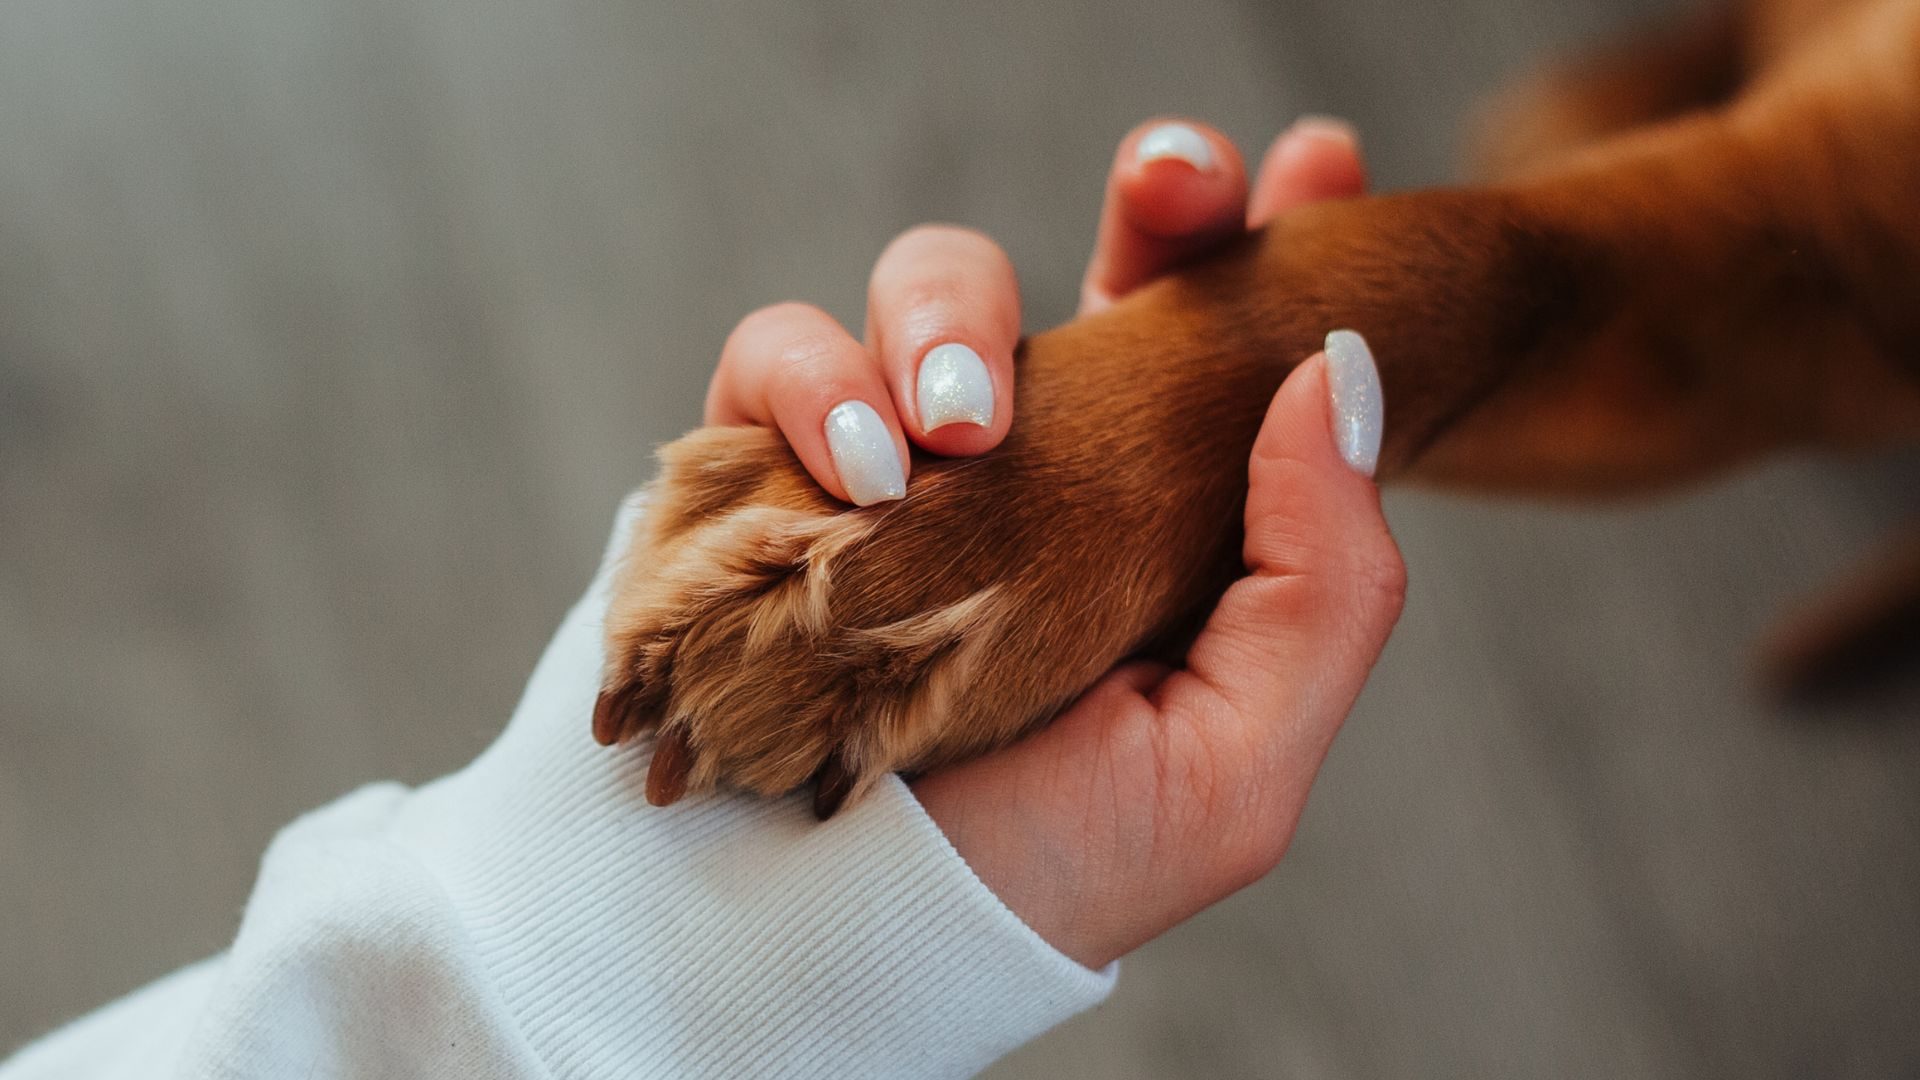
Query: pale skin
(1162, 791)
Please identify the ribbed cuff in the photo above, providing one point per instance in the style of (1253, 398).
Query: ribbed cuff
(725, 936)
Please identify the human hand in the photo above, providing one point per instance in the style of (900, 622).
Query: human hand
(1161, 791)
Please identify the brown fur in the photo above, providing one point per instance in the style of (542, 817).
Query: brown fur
(1704, 247)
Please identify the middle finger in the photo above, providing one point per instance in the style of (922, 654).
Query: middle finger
(943, 317)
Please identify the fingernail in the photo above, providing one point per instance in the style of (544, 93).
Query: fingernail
(864, 455)
(1318, 126)
(1353, 385)
(953, 388)
(1175, 141)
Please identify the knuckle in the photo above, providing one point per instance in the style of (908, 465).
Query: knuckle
(1380, 574)
(933, 307)
(805, 360)
(938, 234)
(943, 282)
(903, 249)
(936, 249)
(787, 341)
(1251, 854)
(979, 246)
(775, 316)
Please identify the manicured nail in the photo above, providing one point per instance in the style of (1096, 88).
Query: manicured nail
(1326, 127)
(1175, 141)
(1353, 384)
(953, 388)
(864, 455)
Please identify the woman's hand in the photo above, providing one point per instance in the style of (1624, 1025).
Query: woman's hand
(1161, 791)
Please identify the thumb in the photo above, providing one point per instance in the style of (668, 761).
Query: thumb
(1289, 646)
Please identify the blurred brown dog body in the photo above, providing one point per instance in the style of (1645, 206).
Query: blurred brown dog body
(1699, 249)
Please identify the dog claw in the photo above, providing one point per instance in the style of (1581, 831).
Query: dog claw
(672, 764)
(616, 713)
(606, 717)
(1855, 638)
(831, 787)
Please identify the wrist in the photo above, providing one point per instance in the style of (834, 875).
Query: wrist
(1041, 877)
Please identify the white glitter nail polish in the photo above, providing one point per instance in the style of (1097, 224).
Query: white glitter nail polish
(1175, 141)
(864, 455)
(1353, 384)
(953, 387)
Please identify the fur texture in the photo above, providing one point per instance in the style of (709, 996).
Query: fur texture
(1701, 247)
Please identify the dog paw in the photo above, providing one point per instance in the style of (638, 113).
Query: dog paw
(771, 635)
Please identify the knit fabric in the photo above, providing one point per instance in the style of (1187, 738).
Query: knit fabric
(532, 916)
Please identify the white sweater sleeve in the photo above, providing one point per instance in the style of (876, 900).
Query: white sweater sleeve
(531, 916)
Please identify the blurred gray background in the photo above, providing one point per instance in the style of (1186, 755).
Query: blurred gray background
(332, 330)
